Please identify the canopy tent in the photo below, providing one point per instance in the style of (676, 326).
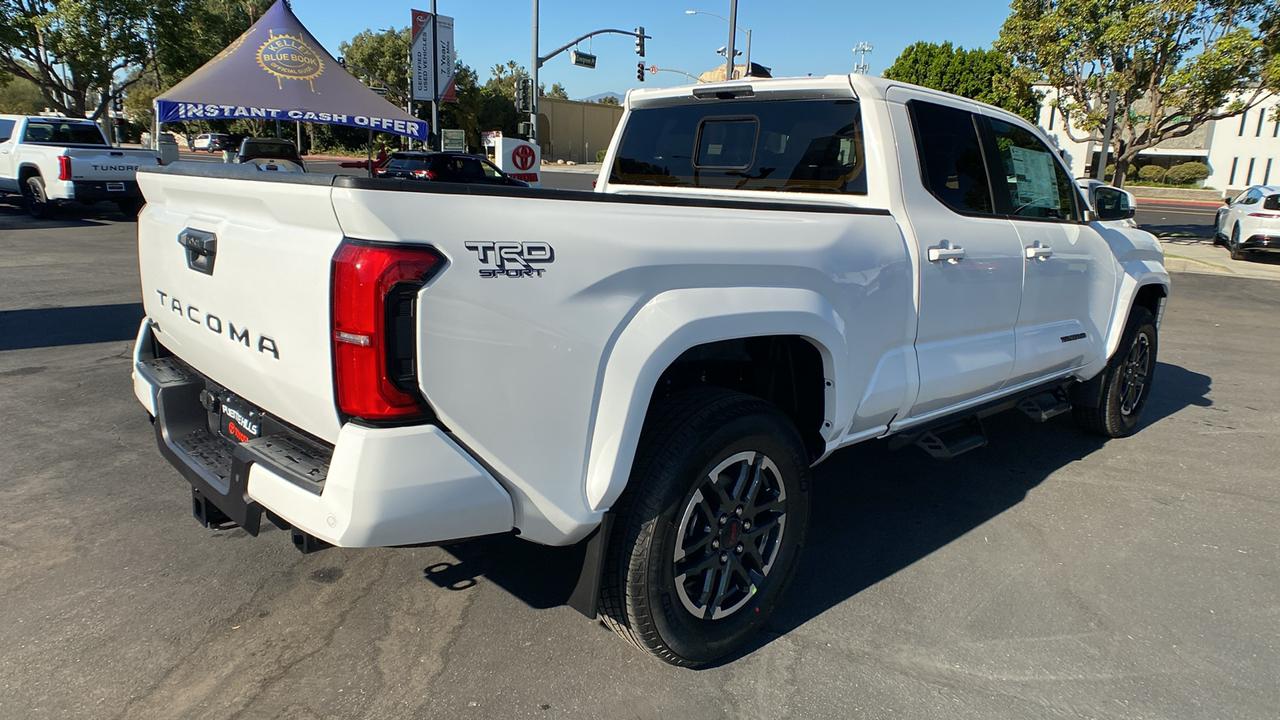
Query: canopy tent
(277, 71)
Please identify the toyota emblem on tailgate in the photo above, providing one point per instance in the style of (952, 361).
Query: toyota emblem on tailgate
(201, 248)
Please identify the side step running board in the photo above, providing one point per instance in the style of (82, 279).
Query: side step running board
(948, 441)
(1045, 405)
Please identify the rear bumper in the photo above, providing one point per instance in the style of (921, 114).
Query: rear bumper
(91, 191)
(374, 487)
(1261, 243)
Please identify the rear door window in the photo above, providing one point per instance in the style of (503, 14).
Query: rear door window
(951, 159)
(764, 145)
(6, 129)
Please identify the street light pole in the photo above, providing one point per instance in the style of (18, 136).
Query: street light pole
(533, 72)
(731, 25)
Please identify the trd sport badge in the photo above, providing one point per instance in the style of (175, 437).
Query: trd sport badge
(512, 259)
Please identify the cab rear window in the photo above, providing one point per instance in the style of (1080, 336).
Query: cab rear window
(764, 145)
(62, 133)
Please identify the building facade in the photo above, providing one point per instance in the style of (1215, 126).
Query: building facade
(1240, 151)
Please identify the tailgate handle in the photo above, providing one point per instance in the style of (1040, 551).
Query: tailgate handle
(202, 248)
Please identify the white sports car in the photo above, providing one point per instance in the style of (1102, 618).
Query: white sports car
(1250, 222)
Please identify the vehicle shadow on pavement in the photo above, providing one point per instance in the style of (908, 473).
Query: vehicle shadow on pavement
(874, 512)
(13, 216)
(53, 327)
(1190, 230)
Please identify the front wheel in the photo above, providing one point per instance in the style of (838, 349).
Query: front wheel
(709, 528)
(1126, 383)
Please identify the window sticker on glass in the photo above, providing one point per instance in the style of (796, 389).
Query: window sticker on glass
(1033, 177)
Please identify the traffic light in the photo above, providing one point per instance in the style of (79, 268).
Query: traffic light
(640, 41)
(640, 71)
(524, 94)
(117, 103)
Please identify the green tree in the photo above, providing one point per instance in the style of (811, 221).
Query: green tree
(465, 113)
(381, 57)
(557, 91)
(504, 79)
(72, 50)
(984, 75)
(1173, 64)
(20, 96)
(607, 100)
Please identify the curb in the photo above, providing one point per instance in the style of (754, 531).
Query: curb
(1171, 202)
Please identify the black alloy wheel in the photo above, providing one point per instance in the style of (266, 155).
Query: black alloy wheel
(1126, 383)
(709, 527)
(38, 205)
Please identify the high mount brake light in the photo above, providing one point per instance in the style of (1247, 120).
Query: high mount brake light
(64, 167)
(374, 294)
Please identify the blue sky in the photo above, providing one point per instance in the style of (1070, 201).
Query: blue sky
(795, 38)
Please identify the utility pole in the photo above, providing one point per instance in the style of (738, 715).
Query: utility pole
(435, 58)
(533, 73)
(733, 30)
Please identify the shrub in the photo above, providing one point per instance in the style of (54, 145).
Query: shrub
(600, 156)
(1151, 173)
(1188, 173)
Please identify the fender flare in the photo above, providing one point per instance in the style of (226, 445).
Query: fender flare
(671, 323)
(1138, 274)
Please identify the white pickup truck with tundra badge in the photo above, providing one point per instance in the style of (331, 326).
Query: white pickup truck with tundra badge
(770, 270)
(51, 159)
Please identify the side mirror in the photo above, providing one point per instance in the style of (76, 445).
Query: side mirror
(1226, 201)
(1112, 203)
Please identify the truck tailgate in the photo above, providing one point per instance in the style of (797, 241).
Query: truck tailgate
(251, 312)
(108, 164)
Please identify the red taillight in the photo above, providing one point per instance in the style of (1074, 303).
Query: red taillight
(64, 167)
(1264, 214)
(428, 174)
(374, 287)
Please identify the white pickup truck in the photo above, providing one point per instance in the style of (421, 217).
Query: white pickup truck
(770, 270)
(51, 159)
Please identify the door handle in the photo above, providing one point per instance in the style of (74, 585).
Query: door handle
(946, 251)
(1037, 251)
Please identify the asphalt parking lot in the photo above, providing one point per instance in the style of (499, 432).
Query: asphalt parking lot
(1048, 575)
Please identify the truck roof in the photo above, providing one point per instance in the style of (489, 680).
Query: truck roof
(51, 118)
(853, 85)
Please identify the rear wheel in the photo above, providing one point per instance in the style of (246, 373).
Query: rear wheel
(1234, 244)
(38, 203)
(1126, 383)
(709, 528)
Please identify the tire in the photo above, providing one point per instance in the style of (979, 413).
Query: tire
(38, 204)
(1234, 244)
(1126, 383)
(740, 541)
